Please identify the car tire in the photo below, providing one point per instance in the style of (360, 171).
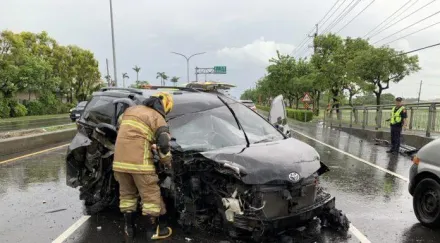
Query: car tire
(426, 202)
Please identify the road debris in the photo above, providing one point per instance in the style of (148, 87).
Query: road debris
(56, 210)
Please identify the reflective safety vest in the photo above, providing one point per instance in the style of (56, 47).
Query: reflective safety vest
(395, 115)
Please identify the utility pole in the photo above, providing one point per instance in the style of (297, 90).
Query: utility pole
(420, 91)
(314, 38)
(315, 101)
(197, 75)
(108, 74)
(115, 73)
(187, 61)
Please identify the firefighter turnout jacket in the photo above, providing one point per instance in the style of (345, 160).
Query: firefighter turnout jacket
(140, 127)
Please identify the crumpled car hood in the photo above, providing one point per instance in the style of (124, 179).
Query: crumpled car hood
(272, 161)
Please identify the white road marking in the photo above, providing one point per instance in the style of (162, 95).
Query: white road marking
(357, 158)
(71, 229)
(31, 154)
(361, 237)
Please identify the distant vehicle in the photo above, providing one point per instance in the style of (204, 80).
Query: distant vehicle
(424, 184)
(250, 104)
(75, 113)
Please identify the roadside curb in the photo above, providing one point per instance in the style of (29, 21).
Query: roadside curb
(22, 144)
(413, 140)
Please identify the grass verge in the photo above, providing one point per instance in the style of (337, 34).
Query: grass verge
(33, 118)
(21, 133)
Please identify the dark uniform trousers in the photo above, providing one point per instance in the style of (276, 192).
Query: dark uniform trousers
(396, 131)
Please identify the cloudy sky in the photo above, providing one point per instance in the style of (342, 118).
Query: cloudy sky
(241, 34)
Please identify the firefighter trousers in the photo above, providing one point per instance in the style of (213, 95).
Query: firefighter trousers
(145, 185)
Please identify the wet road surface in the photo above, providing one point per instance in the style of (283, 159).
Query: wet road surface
(377, 203)
(21, 125)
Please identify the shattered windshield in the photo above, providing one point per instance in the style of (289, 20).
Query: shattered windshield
(217, 128)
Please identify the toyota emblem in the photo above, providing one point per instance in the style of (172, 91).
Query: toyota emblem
(294, 177)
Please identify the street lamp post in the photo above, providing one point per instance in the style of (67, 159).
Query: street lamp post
(113, 45)
(187, 61)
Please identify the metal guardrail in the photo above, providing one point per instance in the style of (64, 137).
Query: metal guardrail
(422, 117)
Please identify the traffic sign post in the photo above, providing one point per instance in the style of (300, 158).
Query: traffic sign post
(214, 70)
(220, 69)
(306, 100)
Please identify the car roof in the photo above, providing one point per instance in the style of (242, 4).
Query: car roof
(186, 100)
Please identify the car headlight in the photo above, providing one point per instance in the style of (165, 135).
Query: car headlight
(71, 109)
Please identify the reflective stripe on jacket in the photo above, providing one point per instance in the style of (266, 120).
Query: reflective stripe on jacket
(135, 136)
(395, 115)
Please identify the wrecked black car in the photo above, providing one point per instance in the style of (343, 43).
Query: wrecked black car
(232, 169)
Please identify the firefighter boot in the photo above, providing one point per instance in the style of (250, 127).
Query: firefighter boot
(155, 231)
(129, 227)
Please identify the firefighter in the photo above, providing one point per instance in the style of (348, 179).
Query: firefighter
(142, 129)
(397, 122)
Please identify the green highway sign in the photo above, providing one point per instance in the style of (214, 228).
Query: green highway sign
(220, 69)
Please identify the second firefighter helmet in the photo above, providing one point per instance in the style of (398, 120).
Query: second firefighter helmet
(167, 101)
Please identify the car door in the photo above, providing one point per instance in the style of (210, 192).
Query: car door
(278, 115)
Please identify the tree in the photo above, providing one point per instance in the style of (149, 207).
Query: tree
(137, 70)
(327, 61)
(175, 80)
(163, 77)
(377, 67)
(370, 99)
(36, 63)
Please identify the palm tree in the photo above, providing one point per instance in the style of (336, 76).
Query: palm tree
(163, 77)
(124, 76)
(137, 69)
(175, 80)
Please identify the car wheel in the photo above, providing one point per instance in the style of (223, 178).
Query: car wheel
(426, 202)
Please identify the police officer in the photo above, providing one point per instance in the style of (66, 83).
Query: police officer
(397, 122)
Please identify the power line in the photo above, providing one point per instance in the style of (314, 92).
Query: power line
(356, 16)
(337, 19)
(386, 19)
(303, 50)
(408, 27)
(307, 36)
(328, 12)
(395, 17)
(403, 18)
(344, 15)
(302, 42)
(423, 48)
(427, 27)
(334, 12)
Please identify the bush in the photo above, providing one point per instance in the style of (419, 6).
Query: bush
(300, 115)
(18, 110)
(65, 107)
(35, 108)
(51, 105)
(5, 110)
(264, 108)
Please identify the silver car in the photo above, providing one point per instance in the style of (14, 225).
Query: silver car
(424, 184)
